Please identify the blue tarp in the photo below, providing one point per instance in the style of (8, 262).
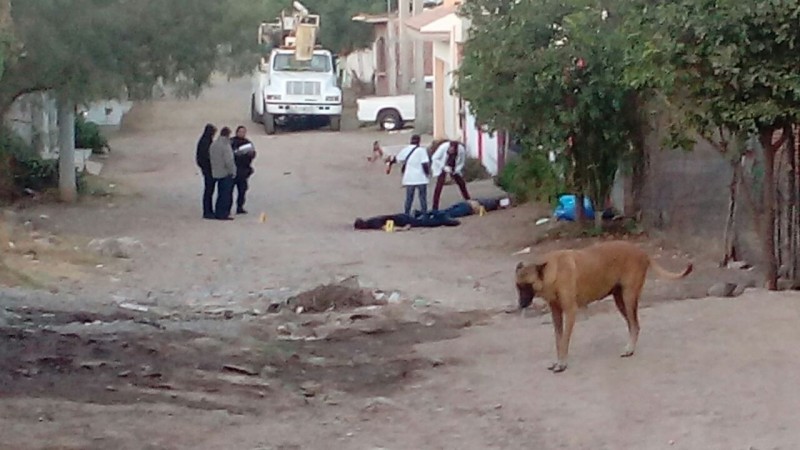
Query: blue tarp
(566, 208)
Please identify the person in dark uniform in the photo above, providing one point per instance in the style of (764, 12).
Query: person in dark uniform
(243, 153)
(204, 163)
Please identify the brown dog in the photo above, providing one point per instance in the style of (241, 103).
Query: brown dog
(569, 279)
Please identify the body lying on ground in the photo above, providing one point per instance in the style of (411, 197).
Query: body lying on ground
(445, 217)
(427, 220)
(470, 207)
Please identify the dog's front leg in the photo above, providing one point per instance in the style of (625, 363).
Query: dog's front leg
(563, 347)
(558, 326)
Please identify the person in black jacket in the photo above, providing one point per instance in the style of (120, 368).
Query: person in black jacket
(204, 163)
(243, 154)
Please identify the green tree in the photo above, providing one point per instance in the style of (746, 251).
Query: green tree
(552, 72)
(90, 49)
(725, 70)
(85, 50)
(338, 32)
(5, 33)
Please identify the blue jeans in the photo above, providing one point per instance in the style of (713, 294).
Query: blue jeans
(423, 198)
(222, 209)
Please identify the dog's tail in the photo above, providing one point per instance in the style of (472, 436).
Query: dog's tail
(671, 275)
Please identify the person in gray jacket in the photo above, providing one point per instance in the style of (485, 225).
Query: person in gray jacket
(223, 169)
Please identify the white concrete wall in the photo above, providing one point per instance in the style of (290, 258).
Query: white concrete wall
(361, 62)
(442, 51)
(480, 145)
(107, 113)
(34, 118)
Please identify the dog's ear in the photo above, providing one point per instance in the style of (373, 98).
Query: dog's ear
(540, 270)
(520, 266)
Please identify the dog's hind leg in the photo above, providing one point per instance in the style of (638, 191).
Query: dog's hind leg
(617, 293)
(558, 326)
(630, 299)
(620, 302)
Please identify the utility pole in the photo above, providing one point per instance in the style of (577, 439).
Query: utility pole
(405, 67)
(67, 185)
(423, 120)
(393, 43)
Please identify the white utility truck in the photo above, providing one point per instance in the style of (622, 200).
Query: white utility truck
(296, 80)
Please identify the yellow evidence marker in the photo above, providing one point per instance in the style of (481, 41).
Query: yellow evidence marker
(482, 211)
(388, 226)
(262, 218)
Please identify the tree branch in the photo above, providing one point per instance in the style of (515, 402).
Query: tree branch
(721, 147)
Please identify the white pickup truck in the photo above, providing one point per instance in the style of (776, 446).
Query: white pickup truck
(390, 112)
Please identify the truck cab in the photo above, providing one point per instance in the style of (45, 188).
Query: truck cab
(287, 89)
(297, 79)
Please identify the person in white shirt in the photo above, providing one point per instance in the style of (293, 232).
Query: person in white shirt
(416, 173)
(449, 158)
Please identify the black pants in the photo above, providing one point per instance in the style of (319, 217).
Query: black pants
(241, 189)
(222, 209)
(424, 220)
(208, 195)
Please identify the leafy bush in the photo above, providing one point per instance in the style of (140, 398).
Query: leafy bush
(36, 173)
(88, 135)
(474, 170)
(530, 177)
(22, 168)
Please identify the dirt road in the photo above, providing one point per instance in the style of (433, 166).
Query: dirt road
(311, 185)
(205, 367)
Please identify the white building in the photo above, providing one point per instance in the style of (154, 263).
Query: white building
(451, 116)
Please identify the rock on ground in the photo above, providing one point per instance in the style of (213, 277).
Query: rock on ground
(122, 247)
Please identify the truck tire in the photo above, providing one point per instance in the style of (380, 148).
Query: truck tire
(269, 123)
(336, 123)
(255, 117)
(389, 119)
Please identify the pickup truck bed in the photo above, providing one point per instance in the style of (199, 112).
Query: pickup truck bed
(389, 112)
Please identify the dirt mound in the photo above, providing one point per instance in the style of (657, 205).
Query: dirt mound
(124, 358)
(333, 297)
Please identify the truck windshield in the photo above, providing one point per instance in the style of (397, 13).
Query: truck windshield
(287, 62)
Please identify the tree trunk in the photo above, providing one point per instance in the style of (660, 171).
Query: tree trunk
(67, 185)
(5, 14)
(794, 209)
(598, 221)
(6, 26)
(730, 224)
(769, 209)
(580, 213)
(779, 215)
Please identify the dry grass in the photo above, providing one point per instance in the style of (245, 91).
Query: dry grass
(621, 229)
(38, 260)
(14, 278)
